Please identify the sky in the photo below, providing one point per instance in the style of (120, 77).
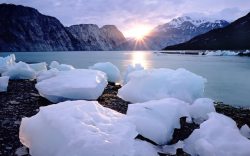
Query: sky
(129, 15)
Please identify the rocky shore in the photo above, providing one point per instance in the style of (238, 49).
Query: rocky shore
(22, 100)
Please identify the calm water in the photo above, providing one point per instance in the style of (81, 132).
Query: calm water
(228, 76)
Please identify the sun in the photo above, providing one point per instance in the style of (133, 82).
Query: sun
(137, 32)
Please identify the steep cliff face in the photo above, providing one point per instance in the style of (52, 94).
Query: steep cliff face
(235, 36)
(25, 29)
(106, 38)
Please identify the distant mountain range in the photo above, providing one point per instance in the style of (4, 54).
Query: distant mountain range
(176, 31)
(25, 29)
(235, 36)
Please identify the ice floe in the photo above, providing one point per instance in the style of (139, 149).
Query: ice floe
(47, 74)
(6, 62)
(130, 69)
(20, 70)
(145, 85)
(39, 67)
(221, 53)
(113, 73)
(81, 128)
(157, 119)
(4, 81)
(200, 109)
(75, 84)
(217, 136)
(60, 67)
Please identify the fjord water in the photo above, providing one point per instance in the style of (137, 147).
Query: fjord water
(227, 76)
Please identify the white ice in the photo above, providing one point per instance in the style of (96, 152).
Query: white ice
(81, 128)
(130, 69)
(113, 73)
(4, 81)
(60, 67)
(145, 85)
(47, 74)
(6, 62)
(20, 70)
(39, 67)
(217, 136)
(157, 119)
(75, 84)
(245, 131)
(200, 109)
(221, 53)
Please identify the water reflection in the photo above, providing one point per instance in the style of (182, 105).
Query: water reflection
(140, 57)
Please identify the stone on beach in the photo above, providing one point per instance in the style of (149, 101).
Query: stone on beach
(81, 128)
(113, 73)
(154, 84)
(77, 84)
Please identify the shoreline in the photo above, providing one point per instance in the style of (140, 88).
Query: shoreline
(22, 100)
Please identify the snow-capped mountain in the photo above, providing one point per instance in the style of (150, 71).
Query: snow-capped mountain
(176, 31)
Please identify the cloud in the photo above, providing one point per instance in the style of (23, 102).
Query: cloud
(126, 13)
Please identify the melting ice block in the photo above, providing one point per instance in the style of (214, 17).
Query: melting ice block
(157, 119)
(47, 74)
(4, 80)
(131, 69)
(75, 84)
(20, 70)
(60, 67)
(200, 109)
(217, 136)
(6, 62)
(145, 85)
(81, 128)
(113, 73)
(245, 131)
(39, 67)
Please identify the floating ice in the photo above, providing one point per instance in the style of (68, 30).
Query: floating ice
(200, 109)
(39, 67)
(73, 85)
(161, 83)
(245, 131)
(131, 69)
(113, 73)
(156, 120)
(6, 62)
(81, 128)
(47, 74)
(4, 81)
(217, 136)
(221, 53)
(20, 70)
(60, 67)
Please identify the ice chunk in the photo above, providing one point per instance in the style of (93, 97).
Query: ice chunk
(161, 83)
(39, 67)
(113, 73)
(20, 70)
(81, 128)
(47, 74)
(4, 81)
(221, 53)
(171, 149)
(60, 67)
(245, 131)
(73, 85)
(217, 136)
(6, 62)
(200, 109)
(131, 69)
(156, 120)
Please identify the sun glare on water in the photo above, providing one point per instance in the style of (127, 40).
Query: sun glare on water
(138, 32)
